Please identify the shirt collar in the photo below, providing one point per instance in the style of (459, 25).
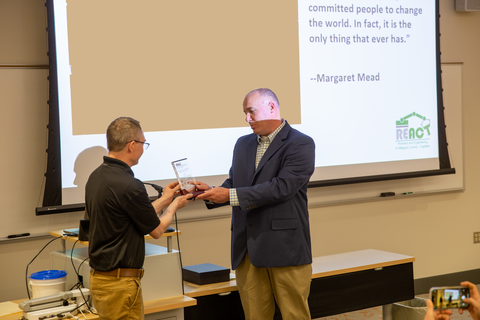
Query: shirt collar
(272, 135)
(116, 162)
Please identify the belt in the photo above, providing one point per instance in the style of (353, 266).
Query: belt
(121, 273)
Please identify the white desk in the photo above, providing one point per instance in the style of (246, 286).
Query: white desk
(341, 283)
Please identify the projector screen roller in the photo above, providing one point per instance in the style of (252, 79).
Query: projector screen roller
(360, 77)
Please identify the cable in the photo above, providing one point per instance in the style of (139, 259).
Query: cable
(159, 189)
(80, 265)
(79, 306)
(26, 271)
(79, 284)
(179, 252)
(71, 260)
(84, 316)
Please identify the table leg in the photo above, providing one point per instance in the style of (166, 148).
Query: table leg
(64, 245)
(169, 244)
(387, 312)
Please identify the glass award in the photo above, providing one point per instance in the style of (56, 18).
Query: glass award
(185, 177)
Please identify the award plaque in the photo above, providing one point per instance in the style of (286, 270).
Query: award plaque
(185, 177)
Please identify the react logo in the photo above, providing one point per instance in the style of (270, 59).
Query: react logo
(418, 129)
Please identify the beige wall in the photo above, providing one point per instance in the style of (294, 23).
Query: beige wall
(437, 229)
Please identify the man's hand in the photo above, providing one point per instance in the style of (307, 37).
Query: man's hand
(217, 195)
(436, 314)
(167, 216)
(170, 191)
(473, 301)
(181, 201)
(202, 186)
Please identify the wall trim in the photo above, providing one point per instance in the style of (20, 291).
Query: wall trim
(423, 285)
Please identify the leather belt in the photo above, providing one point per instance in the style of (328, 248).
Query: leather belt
(121, 272)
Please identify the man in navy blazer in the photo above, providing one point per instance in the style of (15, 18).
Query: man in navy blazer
(267, 189)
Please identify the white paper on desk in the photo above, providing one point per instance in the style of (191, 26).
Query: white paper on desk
(9, 308)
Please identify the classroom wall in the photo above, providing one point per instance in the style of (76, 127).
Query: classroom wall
(437, 229)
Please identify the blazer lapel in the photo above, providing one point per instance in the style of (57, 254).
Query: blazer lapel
(251, 153)
(274, 146)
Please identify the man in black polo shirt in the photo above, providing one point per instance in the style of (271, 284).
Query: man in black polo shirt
(120, 215)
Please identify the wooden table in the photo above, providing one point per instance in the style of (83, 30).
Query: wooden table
(150, 307)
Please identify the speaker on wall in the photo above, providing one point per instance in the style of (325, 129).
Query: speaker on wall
(467, 5)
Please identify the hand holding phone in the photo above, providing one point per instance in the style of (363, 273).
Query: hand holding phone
(449, 297)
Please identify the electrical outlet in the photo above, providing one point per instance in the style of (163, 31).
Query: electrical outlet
(476, 237)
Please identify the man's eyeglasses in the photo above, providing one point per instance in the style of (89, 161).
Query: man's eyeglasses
(145, 144)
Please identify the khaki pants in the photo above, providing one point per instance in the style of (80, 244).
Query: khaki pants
(289, 285)
(117, 298)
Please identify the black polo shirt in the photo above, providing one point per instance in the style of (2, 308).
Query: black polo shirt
(120, 215)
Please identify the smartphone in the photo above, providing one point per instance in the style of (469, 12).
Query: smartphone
(449, 297)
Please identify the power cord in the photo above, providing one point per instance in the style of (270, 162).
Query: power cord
(79, 284)
(26, 271)
(179, 252)
(159, 189)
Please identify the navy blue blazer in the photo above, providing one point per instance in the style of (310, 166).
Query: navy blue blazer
(272, 220)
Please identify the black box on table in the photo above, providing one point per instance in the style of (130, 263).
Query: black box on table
(205, 273)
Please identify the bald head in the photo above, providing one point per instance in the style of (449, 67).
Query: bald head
(262, 111)
(267, 94)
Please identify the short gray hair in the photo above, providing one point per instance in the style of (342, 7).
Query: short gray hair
(121, 131)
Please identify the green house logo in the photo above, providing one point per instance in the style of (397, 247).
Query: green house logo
(413, 126)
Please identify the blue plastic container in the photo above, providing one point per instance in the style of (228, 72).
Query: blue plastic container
(47, 282)
(48, 275)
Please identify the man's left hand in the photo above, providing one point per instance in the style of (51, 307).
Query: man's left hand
(436, 314)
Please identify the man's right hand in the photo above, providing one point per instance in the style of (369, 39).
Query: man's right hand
(473, 301)
(170, 191)
(202, 186)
